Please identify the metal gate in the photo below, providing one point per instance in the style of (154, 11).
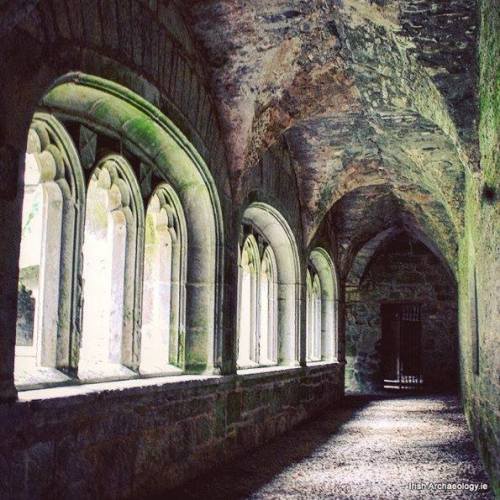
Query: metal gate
(401, 346)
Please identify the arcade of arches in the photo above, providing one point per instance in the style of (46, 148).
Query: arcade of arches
(220, 218)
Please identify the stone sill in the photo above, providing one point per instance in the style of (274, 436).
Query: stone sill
(316, 362)
(40, 378)
(104, 372)
(330, 362)
(150, 385)
(264, 371)
(121, 387)
(270, 371)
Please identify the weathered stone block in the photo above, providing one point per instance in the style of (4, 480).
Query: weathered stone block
(234, 406)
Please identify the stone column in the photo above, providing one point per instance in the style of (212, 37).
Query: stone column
(341, 305)
(226, 336)
(10, 238)
(303, 315)
(288, 315)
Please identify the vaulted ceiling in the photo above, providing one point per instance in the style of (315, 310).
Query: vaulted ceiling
(375, 99)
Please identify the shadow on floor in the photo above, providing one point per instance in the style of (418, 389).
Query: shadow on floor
(239, 479)
(248, 473)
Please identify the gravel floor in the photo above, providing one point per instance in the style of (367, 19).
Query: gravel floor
(372, 448)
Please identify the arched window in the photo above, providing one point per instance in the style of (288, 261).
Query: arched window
(257, 332)
(110, 270)
(268, 290)
(248, 314)
(120, 120)
(164, 282)
(81, 305)
(314, 343)
(47, 265)
(322, 308)
(268, 308)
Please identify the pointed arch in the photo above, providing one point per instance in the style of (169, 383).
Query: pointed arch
(268, 310)
(113, 110)
(327, 281)
(313, 312)
(112, 271)
(272, 227)
(54, 193)
(248, 314)
(164, 301)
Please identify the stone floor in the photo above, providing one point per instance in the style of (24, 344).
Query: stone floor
(372, 448)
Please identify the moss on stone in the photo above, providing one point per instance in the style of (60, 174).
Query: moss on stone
(489, 58)
(150, 233)
(479, 250)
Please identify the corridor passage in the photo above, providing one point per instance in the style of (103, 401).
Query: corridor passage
(372, 448)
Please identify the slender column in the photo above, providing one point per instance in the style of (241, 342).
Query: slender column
(228, 338)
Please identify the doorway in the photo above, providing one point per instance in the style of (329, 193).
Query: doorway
(401, 346)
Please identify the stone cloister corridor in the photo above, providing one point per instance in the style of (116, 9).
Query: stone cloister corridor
(374, 447)
(249, 249)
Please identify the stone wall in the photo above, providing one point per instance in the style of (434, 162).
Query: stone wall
(138, 438)
(479, 255)
(402, 270)
(144, 46)
(421, 131)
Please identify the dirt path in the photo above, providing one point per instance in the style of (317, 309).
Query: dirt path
(371, 448)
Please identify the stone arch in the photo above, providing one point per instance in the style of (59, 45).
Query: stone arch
(364, 255)
(313, 316)
(268, 222)
(398, 266)
(248, 310)
(114, 110)
(164, 294)
(113, 249)
(326, 271)
(162, 67)
(53, 166)
(268, 307)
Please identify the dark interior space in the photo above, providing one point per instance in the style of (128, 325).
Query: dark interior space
(249, 249)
